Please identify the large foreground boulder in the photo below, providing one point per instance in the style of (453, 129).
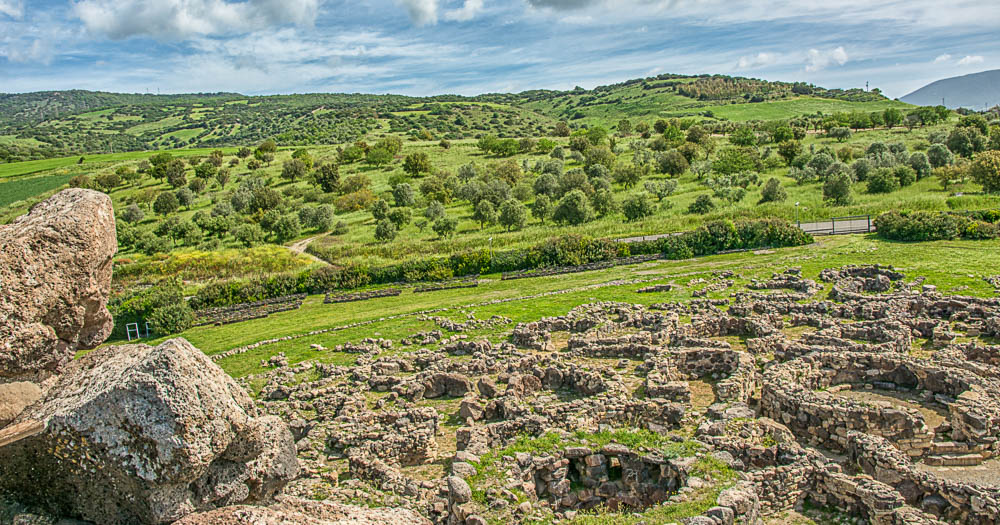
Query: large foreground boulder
(297, 511)
(137, 434)
(55, 276)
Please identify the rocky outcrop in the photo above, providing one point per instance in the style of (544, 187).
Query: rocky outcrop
(55, 276)
(146, 434)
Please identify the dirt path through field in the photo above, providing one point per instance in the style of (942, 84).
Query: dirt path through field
(299, 247)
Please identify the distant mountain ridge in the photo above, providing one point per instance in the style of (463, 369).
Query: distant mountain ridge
(977, 91)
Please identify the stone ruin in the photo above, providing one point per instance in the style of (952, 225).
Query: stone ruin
(770, 382)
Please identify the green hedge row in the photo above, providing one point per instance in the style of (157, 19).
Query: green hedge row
(569, 250)
(935, 226)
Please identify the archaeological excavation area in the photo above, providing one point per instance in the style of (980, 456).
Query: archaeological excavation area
(861, 391)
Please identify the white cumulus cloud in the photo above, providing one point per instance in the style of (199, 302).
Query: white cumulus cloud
(467, 12)
(12, 8)
(818, 60)
(756, 61)
(120, 19)
(942, 58)
(970, 60)
(422, 12)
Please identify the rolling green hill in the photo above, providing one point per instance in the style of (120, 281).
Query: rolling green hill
(59, 123)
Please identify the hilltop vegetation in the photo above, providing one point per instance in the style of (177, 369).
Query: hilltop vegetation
(47, 124)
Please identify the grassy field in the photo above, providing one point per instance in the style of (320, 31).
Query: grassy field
(954, 266)
(20, 189)
(93, 161)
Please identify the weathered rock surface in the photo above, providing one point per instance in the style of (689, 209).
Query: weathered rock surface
(55, 276)
(296, 511)
(15, 397)
(146, 434)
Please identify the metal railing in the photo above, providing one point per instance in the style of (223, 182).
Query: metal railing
(839, 225)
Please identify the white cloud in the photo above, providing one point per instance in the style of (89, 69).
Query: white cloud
(562, 4)
(818, 60)
(120, 19)
(467, 12)
(35, 51)
(756, 61)
(12, 8)
(970, 60)
(942, 58)
(913, 13)
(422, 12)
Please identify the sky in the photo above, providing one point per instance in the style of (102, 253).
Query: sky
(468, 47)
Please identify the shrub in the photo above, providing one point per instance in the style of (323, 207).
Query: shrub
(920, 165)
(882, 180)
(637, 206)
(400, 217)
(249, 235)
(772, 191)
(820, 162)
(938, 155)
(403, 195)
(171, 319)
(803, 175)
(165, 203)
(574, 208)
(661, 189)
(702, 205)
(445, 227)
(838, 189)
(672, 163)
(512, 214)
(932, 226)
(385, 230)
(132, 214)
(986, 171)
(840, 134)
(434, 211)
(358, 200)
(905, 175)
(379, 209)
(862, 167)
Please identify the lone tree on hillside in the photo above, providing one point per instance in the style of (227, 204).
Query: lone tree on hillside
(165, 203)
(986, 171)
(293, 169)
(416, 163)
(512, 214)
(484, 214)
(838, 189)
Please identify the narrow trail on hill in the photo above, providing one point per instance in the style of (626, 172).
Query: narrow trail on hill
(299, 248)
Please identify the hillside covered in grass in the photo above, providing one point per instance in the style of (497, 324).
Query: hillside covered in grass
(55, 123)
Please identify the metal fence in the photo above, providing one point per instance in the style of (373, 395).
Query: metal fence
(839, 225)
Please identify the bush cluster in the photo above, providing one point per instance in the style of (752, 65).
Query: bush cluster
(567, 250)
(934, 226)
